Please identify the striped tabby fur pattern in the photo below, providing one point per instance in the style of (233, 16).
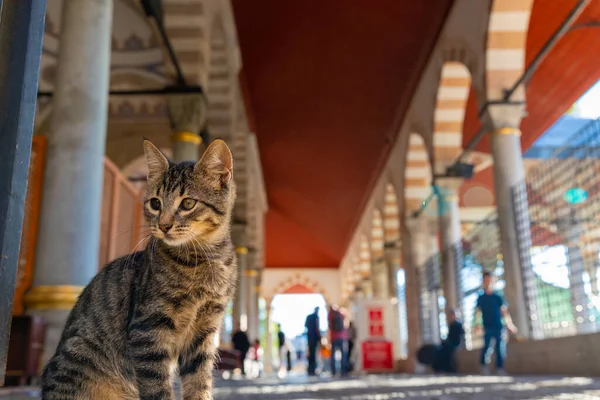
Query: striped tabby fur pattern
(152, 314)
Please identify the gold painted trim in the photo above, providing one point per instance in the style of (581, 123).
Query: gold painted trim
(59, 297)
(251, 272)
(258, 289)
(241, 250)
(186, 137)
(507, 131)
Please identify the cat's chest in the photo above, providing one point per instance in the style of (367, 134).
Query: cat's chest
(193, 317)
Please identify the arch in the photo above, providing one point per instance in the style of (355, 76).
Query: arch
(377, 236)
(449, 115)
(364, 258)
(223, 95)
(186, 26)
(506, 46)
(304, 282)
(417, 173)
(391, 216)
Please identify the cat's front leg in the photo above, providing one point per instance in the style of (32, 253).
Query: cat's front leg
(196, 368)
(153, 362)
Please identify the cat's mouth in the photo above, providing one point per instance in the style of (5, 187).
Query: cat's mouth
(174, 240)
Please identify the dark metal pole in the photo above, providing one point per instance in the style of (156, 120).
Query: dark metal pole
(188, 89)
(153, 9)
(21, 32)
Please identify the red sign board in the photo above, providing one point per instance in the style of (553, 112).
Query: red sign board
(377, 355)
(375, 322)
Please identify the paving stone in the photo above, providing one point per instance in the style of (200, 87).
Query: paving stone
(385, 387)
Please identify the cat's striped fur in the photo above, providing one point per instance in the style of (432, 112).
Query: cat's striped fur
(150, 315)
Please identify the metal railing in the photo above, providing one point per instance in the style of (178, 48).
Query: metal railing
(557, 211)
(562, 197)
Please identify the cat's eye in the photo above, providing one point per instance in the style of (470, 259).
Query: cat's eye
(187, 204)
(155, 204)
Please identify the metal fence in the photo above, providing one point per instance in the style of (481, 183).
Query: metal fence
(559, 246)
(430, 294)
(562, 195)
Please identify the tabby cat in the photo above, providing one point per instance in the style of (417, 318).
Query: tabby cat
(153, 314)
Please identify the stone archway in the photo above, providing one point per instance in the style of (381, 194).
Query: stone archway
(506, 46)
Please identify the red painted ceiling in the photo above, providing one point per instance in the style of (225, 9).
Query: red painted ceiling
(570, 68)
(328, 83)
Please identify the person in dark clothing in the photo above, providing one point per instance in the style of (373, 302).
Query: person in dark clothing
(445, 361)
(313, 334)
(351, 340)
(493, 310)
(241, 343)
(281, 346)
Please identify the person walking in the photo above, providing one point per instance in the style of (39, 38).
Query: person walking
(241, 343)
(351, 339)
(495, 317)
(339, 337)
(281, 346)
(313, 336)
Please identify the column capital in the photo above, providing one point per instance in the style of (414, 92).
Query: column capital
(416, 225)
(239, 236)
(187, 111)
(505, 118)
(449, 187)
(393, 255)
(252, 258)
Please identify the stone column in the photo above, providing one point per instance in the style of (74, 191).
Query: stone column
(412, 245)
(432, 273)
(268, 353)
(393, 254)
(573, 230)
(424, 245)
(451, 240)
(69, 234)
(239, 236)
(379, 278)
(366, 286)
(252, 291)
(187, 113)
(509, 172)
(392, 260)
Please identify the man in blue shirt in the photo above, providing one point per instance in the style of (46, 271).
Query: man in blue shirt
(494, 314)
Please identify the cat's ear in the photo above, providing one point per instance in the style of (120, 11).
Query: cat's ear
(156, 161)
(216, 164)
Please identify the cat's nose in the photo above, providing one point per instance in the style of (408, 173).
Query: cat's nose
(165, 227)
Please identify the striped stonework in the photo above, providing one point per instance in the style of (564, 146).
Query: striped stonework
(222, 90)
(391, 215)
(364, 256)
(417, 174)
(449, 115)
(506, 46)
(377, 236)
(186, 23)
(354, 272)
